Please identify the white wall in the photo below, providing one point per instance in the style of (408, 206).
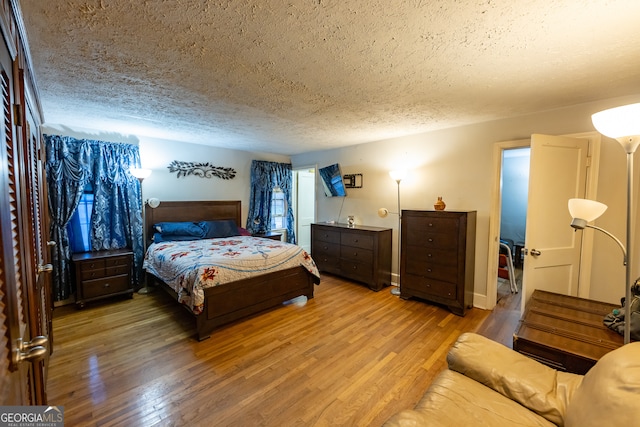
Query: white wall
(457, 165)
(156, 154)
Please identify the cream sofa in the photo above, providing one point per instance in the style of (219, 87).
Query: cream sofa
(488, 384)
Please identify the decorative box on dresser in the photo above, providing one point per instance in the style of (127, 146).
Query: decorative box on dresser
(438, 257)
(359, 253)
(102, 274)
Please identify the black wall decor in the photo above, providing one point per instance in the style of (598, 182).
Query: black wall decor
(203, 170)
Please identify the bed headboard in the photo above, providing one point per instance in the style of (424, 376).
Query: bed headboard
(205, 210)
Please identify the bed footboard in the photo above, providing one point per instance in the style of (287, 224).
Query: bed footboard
(238, 300)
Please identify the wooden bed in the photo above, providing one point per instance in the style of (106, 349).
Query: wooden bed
(237, 300)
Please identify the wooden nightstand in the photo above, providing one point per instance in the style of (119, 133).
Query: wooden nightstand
(102, 274)
(269, 235)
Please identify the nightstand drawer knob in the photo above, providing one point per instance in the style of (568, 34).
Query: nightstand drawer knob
(106, 285)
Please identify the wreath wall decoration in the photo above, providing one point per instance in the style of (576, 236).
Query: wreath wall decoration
(202, 170)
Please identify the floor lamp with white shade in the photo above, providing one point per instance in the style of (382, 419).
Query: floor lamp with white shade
(623, 125)
(397, 176)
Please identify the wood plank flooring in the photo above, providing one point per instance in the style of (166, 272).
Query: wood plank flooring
(349, 357)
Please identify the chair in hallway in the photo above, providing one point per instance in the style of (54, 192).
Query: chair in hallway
(505, 267)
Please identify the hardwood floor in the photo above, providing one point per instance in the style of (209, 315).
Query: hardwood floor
(349, 357)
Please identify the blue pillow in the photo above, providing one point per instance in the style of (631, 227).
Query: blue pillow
(180, 229)
(159, 238)
(221, 228)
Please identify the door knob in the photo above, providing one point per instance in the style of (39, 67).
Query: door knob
(47, 268)
(535, 252)
(30, 351)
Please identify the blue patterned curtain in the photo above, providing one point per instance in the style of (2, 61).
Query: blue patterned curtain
(265, 176)
(67, 171)
(117, 213)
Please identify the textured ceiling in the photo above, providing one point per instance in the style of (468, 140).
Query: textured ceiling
(294, 76)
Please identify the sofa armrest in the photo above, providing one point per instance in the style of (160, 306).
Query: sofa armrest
(537, 387)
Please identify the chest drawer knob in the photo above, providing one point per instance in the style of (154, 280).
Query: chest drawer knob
(106, 285)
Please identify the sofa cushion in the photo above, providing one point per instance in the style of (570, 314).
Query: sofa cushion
(456, 400)
(530, 383)
(610, 392)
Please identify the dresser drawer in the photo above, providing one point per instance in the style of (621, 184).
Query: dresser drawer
(357, 240)
(91, 274)
(363, 256)
(356, 270)
(432, 270)
(325, 235)
(435, 224)
(117, 270)
(430, 239)
(319, 248)
(418, 285)
(117, 265)
(93, 265)
(448, 257)
(105, 286)
(121, 261)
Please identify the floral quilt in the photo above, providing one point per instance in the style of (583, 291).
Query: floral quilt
(189, 267)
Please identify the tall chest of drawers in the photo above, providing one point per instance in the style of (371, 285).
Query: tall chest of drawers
(438, 257)
(102, 274)
(359, 253)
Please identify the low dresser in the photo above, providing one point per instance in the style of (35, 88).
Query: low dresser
(360, 253)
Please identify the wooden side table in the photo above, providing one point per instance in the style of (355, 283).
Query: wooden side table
(102, 274)
(565, 332)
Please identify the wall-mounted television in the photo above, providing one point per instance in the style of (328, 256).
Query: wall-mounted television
(331, 178)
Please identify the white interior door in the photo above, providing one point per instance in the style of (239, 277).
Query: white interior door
(558, 172)
(305, 208)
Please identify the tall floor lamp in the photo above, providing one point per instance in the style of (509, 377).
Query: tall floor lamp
(141, 174)
(397, 176)
(623, 125)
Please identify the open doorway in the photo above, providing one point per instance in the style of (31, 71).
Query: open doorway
(304, 204)
(513, 219)
(560, 168)
(497, 203)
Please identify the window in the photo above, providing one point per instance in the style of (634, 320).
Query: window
(278, 210)
(80, 224)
